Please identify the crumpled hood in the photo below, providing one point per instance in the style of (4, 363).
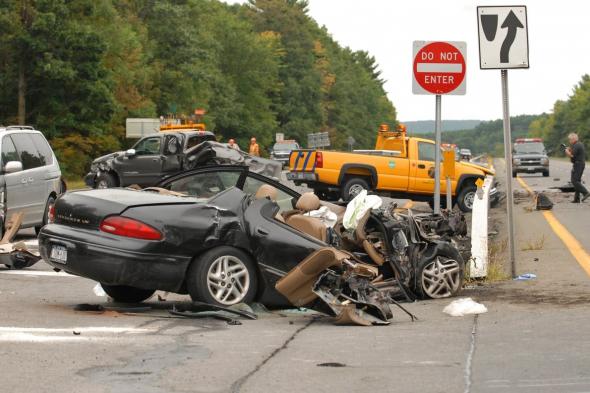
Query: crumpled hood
(486, 171)
(108, 157)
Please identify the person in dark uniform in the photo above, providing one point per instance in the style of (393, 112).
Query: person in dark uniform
(577, 155)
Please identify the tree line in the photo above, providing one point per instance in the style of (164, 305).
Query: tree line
(76, 69)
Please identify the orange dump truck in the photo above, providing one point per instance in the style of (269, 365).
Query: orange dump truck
(400, 167)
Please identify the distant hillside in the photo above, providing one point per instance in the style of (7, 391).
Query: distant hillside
(426, 126)
(488, 136)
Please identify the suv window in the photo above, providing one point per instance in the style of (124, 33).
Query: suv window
(9, 152)
(529, 148)
(148, 146)
(29, 155)
(194, 140)
(43, 148)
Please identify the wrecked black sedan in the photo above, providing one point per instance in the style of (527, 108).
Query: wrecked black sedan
(226, 235)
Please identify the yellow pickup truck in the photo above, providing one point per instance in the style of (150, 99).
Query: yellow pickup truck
(400, 167)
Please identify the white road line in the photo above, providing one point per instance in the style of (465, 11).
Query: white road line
(74, 334)
(36, 273)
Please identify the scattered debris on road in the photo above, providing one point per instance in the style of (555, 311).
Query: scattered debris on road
(526, 276)
(465, 306)
(542, 201)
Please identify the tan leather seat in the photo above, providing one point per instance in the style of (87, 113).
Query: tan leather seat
(266, 191)
(312, 226)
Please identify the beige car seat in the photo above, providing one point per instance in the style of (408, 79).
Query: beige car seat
(312, 226)
(270, 192)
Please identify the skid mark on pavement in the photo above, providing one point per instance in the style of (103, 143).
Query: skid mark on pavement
(572, 244)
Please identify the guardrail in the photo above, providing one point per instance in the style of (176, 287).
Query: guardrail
(478, 265)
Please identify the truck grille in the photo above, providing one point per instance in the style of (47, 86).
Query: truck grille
(530, 161)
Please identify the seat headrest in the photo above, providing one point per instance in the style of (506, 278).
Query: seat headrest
(308, 202)
(266, 191)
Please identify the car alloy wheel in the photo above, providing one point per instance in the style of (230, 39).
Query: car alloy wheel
(228, 280)
(441, 277)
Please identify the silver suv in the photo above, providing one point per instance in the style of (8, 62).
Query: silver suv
(30, 179)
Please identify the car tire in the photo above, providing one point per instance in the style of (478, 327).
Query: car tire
(127, 294)
(546, 174)
(352, 187)
(50, 202)
(440, 276)
(106, 180)
(209, 277)
(466, 197)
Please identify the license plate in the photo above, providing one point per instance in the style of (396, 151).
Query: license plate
(59, 254)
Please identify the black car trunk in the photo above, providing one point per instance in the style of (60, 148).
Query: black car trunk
(89, 208)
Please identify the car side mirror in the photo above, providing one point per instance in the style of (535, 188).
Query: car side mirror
(130, 153)
(13, 166)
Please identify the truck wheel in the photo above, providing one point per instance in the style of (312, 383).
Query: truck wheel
(513, 174)
(466, 197)
(352, 187)
(546, 174)
(106, 180)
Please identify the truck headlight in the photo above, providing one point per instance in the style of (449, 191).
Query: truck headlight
(544, 161)
(516, 161)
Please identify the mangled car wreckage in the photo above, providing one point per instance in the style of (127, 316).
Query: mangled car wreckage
(225, 235)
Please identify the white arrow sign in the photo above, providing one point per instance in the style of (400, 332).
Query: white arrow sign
(503, 37)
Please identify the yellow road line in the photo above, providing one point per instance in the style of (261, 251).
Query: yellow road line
(574, 247)
(524, 185)
(572, 244)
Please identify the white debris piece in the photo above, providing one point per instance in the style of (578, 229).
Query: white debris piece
(358, 206)
(328, 217)
(98, 291)
(465, 306)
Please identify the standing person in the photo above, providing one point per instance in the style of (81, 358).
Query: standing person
(232, 143)
(254, 148)
(577, 155)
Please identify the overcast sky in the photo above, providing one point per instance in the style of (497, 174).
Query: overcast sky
(558, 43)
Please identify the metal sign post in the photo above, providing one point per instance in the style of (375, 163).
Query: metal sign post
(504, 44)
(437, 142)
(439, 68)
(508, 159)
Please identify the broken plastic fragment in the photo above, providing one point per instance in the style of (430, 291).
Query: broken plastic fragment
(98, 291)
(465, 306)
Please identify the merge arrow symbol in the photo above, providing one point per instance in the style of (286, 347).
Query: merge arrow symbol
(512, 23)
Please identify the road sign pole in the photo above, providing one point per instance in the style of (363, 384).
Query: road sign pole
(449, 197)
(508, 158)
(437, 131)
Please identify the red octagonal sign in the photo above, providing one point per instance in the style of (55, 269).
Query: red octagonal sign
(439, 67)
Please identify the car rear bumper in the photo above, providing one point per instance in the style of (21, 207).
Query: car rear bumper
(103, 259)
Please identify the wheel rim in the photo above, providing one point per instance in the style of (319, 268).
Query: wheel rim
(102, 184)
(228, 280)
(355, 189)
(469, 197)
(441, 277)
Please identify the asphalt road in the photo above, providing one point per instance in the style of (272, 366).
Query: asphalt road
(533, 338)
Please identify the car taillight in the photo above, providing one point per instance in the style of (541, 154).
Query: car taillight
(51, 214)
(319, 160)
(128, 227)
